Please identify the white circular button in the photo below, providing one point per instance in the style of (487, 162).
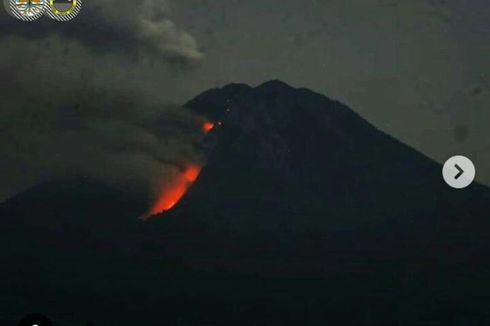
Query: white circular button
(459, 172)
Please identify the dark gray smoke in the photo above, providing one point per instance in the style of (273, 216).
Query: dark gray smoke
(90, 99)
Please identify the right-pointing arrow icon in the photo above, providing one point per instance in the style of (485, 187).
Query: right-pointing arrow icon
(460, 173)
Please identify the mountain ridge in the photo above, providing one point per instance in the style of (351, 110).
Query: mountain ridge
(368, 195)
(303, 207)
(242, 117)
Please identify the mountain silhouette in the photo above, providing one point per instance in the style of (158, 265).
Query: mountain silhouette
(292, 175)
(305, 213)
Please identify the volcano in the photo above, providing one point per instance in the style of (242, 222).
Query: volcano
(305, 213)
(295, 174)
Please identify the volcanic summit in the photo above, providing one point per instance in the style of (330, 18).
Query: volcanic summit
(296, 187)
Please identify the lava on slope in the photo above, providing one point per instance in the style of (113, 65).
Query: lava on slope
(175, 188)
(207, 127)
(171, 193)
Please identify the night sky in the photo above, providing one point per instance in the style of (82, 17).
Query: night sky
(418, 69)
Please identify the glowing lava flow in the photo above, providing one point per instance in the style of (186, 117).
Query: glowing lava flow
(175, 189)
(207, 127)
(173, 192)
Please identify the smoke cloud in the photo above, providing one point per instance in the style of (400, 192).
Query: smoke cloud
(89, 97)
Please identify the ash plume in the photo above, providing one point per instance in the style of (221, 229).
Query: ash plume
(77, 102)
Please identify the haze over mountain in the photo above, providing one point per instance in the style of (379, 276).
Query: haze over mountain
(303, 213)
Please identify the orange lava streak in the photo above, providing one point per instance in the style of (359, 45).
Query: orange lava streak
(191, 173)
(207, 127)
(172, 193)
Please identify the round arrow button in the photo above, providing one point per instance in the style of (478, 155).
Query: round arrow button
(459, 172)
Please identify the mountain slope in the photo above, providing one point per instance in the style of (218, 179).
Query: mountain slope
(288, 159)
(278, 141)
(304, 214)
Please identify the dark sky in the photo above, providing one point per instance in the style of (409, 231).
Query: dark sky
(417, 69)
